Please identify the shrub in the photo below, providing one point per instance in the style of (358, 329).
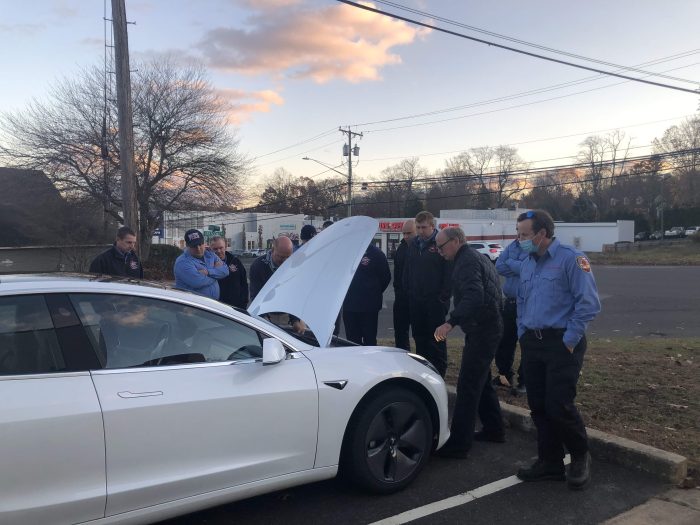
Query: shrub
(159, 266)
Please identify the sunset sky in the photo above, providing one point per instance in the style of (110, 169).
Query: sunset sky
(296, 70)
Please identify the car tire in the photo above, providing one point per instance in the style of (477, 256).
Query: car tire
(389, 442)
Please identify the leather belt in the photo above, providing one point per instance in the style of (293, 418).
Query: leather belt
(541, 333)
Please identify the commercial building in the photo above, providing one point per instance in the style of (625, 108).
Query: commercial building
(254, 231)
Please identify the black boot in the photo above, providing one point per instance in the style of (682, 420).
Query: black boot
(579, 473)
(542, 470)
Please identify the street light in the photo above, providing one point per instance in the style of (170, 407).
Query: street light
(340, 172)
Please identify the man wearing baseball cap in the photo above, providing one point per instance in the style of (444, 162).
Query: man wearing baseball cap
(199, 269)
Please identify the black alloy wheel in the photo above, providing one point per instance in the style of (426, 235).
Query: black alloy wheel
(391, 441)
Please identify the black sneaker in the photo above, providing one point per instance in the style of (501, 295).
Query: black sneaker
(493, 437)
(542, 470)
(578, 474)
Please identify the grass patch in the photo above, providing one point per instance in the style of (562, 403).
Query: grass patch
(682, 254)
(647, 390)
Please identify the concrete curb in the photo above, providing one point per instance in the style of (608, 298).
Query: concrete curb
(670, 467)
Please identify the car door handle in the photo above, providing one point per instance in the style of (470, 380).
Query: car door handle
(128, 395)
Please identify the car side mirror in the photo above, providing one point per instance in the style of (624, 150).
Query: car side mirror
(273, 351)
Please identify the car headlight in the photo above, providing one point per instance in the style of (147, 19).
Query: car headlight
(423, 361)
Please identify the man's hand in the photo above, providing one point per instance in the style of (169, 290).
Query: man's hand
(218, 263)
(442, 331)
(203, 271)
(299, 326)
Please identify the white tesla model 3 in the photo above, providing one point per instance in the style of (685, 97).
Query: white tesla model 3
(130, 403)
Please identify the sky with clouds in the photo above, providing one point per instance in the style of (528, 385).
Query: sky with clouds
(296, 70)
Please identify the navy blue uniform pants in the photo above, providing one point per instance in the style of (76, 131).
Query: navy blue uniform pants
(361, 327)
(475, 394)
(552, 373)
(402, 321)
(426, 316)
(505, 355)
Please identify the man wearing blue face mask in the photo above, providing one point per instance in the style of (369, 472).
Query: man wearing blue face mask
(557, 298)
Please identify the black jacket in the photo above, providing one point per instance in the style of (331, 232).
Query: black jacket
(476, 289)
(369, 282)
(399, 264)
(260, 273)
(111, 262)
(234, 288)
(426, 274)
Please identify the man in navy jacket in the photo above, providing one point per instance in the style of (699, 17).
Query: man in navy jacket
(364, 298)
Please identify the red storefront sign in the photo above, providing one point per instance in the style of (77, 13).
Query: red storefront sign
(390, 226)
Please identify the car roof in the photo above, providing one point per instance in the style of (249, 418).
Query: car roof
(92, 283)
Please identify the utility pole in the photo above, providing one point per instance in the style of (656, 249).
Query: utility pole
(349, 151)
(126, 121)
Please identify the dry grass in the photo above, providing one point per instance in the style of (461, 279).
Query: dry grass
(681, 254)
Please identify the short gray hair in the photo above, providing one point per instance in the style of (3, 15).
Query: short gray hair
(454, 233)
(218, 238)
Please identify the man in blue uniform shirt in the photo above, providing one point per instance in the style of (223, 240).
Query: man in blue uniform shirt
(557, 298)
(199, 269)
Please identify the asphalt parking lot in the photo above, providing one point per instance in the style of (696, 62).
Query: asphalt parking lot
(478, 480)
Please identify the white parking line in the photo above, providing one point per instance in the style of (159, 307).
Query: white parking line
(454, 501)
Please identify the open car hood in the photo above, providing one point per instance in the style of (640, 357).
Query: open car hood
(312, 283)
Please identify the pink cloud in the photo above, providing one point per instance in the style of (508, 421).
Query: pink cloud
(333, 42)
(241, 104)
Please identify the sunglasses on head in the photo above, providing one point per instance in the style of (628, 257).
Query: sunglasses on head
(527, 215)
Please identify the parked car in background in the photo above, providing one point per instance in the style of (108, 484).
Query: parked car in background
(125, 402)
(675, 233)
(641, 236)
(491, 249)
(692, 230)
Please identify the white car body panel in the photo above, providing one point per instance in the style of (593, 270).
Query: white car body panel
(201, 428)
(312, 283)
(180, 438)
(364, 368)
(52, 457)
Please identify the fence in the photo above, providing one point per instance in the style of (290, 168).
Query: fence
(43, 259)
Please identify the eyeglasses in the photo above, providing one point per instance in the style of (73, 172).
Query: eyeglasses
(441, 246)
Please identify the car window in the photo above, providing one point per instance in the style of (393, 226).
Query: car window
(128, 331)
(28, 342)
(476, 245)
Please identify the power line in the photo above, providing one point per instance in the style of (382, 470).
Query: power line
(497, 110)
(515, 50)
(538, 186)
(530, 44)
(545, 139)
(528, 173)
(317, 137)
(528, 93)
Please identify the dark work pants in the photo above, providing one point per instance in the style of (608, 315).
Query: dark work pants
(402, 321)
(505, 354)
(475, 394)
(426, 316)
(552, 373)
(361, 327)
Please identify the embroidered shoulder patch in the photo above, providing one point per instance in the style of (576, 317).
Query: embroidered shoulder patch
(583, 263)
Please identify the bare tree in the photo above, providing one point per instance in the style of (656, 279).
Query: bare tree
(685, 166)
(184, 151)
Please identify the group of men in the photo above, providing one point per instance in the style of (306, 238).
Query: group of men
(548, 298)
